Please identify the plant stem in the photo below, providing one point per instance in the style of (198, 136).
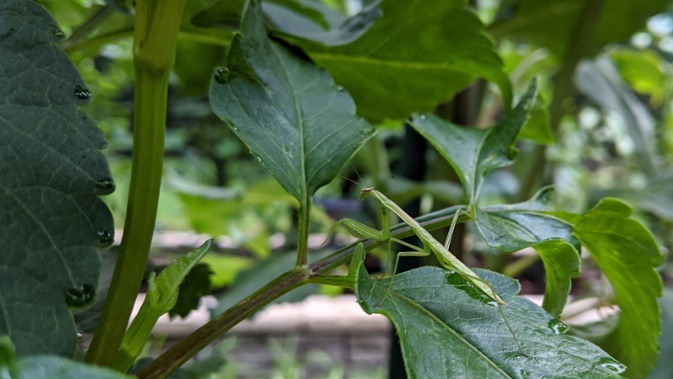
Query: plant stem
(155, 39)
(304, 224)
(181, 352)
(580, 45)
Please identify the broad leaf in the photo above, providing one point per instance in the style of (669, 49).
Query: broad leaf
(48, 367)
(52, 171)
(628, 255)
(447, 329)
(289, 113)
(510, 228)
(473, 153)
(529, 224)
(551, 23)
(419, 54)
(162, 296)
(306, 19)
(601, 82)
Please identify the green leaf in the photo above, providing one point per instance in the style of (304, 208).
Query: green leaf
(447, 329)
(162, 296)
(550, 23)
(627, 253)
(196, 285)
(561, 265)
(530, 224)
(47, 367)
(287, 111)
(537, 128)
(52, 171)
(601, 82)
(510, 228)
(473, 153)
(663, 368)
(646, 71)
(50, 367)
(416, 56)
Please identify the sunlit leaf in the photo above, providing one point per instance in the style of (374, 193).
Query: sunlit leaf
(628, 255)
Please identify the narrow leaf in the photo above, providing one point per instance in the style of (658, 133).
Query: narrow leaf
(627, 253)
(473, 153)
(287, 111)
(417, 55)
(448, 329)
(161, 298)
(51, 218)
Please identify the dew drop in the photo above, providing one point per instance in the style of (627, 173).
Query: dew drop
(78, 297)
(105, 237)
(612, 365)
(366, 132)
(58, 33)
(82, 93)
(338, 88)
(235, 129)
(422, 117)
(104, 186)
(557, 326)
(222, 75)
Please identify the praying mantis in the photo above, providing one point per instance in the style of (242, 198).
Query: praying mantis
(430, 245)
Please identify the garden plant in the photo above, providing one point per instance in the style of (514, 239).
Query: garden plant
(312, 89)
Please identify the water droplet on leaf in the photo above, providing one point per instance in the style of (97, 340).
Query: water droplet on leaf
(338, 88)
(612, 365)
(104, 186)
(58, 33)
(422, 117)
(82, 93)
(105, 237)
(366, 132)
(557, 326)
(222, 75)
(79, 297)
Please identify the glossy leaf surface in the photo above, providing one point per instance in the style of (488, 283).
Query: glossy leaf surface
(473, 153)
(415, 56)
(51, 218)
(448, 329)
(290, 114)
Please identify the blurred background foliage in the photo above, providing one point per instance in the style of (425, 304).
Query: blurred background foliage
(607, 120)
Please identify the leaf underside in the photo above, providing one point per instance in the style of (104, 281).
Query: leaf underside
(52, 171)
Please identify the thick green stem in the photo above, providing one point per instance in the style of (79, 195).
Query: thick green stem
(155, 38)
(580, 45)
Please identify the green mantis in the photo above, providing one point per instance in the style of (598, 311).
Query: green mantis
(430, 244)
